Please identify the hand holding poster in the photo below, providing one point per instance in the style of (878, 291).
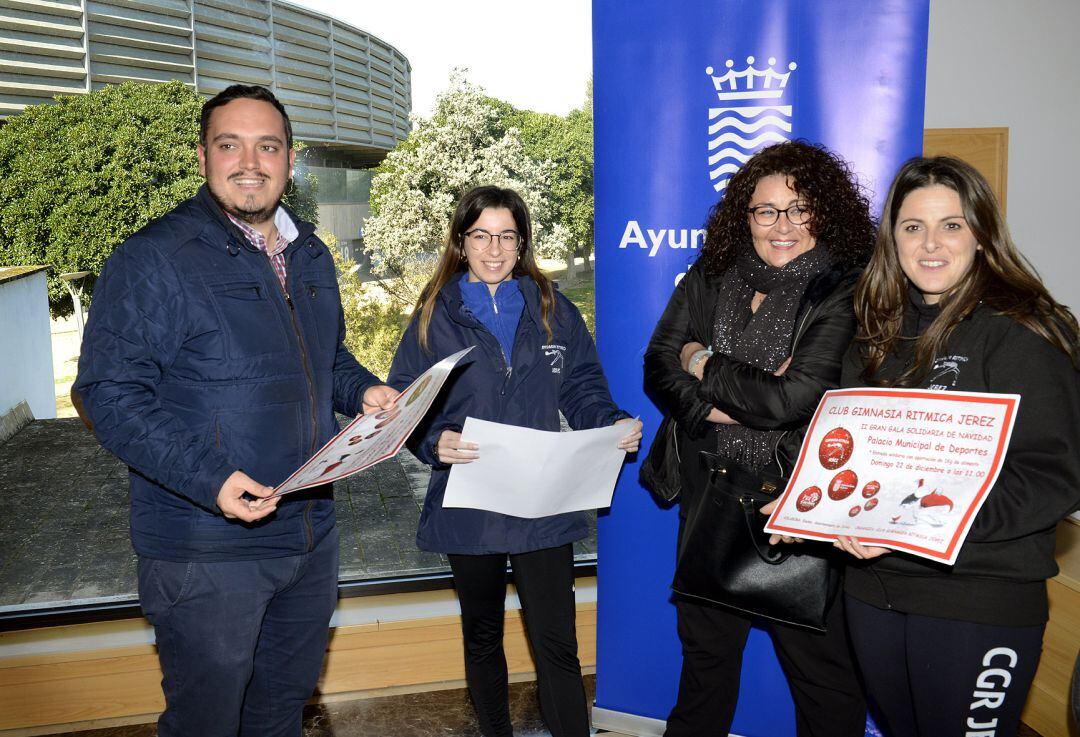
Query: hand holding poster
(553, 472)
(906, 469)
(372, 438)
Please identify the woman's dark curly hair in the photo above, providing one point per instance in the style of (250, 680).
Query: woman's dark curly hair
(840, 212)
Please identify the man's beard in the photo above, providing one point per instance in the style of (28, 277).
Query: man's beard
(251, 216)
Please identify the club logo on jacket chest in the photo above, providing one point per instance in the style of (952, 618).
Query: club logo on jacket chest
(946, 372)
(554, 353)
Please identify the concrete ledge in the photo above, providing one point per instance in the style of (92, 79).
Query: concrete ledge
(15, 420)
(10, 273)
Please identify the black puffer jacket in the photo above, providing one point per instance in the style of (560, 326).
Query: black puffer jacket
(824, 328)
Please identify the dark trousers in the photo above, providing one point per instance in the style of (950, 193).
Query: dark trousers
(932, 677)
(819, 667)
(545, 586)
(241, 643)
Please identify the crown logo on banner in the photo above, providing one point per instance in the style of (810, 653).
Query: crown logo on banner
(750, 83)
(749, 117)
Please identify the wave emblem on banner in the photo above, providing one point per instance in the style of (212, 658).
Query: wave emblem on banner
(749, 117)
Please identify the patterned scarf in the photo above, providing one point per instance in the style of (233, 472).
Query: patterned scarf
(762, 338)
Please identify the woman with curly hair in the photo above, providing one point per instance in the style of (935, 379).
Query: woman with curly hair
(752, 337)
(949, 303)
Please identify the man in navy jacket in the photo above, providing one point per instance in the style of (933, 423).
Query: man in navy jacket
(212, 363)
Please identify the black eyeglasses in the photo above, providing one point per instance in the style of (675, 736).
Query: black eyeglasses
(480, 239)
(766, 215)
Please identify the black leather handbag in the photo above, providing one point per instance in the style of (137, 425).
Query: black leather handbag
(725, 557)
(659, 472)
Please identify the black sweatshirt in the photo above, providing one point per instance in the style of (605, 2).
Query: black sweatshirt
(1000, 575)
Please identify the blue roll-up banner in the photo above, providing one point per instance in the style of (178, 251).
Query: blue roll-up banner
(683, 93)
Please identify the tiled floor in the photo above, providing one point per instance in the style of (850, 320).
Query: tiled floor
(64, 531)
(430, 714)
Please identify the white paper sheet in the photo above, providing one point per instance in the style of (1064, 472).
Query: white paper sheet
(535, 473)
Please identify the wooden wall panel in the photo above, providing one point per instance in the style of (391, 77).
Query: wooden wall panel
(1047, 708)
(74, 690)
(428, 651)
(79, 687)
(987, 149)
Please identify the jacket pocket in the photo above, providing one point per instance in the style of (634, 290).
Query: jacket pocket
(323, 304)
(249, 321)
(267, 441)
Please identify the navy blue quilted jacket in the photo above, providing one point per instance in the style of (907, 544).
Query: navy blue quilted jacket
(195, 364)
(546, 376)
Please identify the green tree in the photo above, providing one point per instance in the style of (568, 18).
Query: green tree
(465, 143)
(566, 142)
(80, 176)
(374, 319)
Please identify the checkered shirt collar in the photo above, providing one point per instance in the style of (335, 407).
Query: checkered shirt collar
(286, 228)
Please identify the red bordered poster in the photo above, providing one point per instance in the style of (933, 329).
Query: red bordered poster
(372, 438)
(906, 469)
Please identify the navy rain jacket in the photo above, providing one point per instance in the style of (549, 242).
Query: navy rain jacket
(195, 364)
(546, 376)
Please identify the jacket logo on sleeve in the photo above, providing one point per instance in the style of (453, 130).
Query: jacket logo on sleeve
(554, 353)
(946, 372)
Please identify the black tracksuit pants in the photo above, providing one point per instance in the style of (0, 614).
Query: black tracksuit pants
(545, 586)
(932, 677)
(820, 670)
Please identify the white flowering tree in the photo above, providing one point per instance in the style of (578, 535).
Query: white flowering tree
(464, 144)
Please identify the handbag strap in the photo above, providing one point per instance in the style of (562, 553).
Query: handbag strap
(751, 488)
(768, 553)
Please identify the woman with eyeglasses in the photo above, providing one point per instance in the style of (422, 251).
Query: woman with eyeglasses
(949, 303)
(533, 357)
(751, 338)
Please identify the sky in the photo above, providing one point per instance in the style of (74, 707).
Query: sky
(536, 56)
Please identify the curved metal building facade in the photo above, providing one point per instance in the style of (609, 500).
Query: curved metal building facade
(342, 86)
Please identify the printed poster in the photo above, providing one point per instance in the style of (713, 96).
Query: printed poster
(906, 469)
(375, 437)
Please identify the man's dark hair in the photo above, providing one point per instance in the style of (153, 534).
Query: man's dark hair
(241, 92)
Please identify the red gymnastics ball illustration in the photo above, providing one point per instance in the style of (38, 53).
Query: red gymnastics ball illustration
(836, 448)
(854, 511)
(808, 499)
(871, 488)
(870, 504)
(842, 485)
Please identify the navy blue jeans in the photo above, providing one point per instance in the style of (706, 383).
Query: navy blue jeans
(241, 643)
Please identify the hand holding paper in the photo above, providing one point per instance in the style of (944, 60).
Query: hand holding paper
(378, 434)
(632, 440)
(379, 397)
(452, 449)
(535, 473)
(906, 469)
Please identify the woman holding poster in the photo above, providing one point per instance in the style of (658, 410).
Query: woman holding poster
(533, 358)
(948, 303)
(771, 297)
